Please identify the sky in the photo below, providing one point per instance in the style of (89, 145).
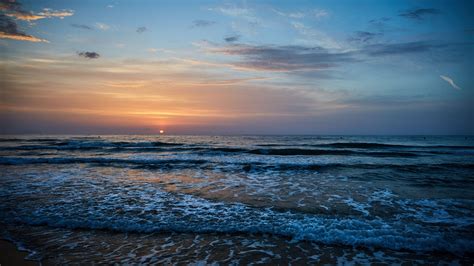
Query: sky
(236, 67)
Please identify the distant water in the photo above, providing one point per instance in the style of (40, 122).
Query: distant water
(237, 200)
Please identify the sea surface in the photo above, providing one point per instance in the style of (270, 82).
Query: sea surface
(239, 199)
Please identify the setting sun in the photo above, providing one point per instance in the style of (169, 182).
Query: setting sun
(162, 131)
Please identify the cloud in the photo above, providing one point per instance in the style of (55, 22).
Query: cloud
(233, 11)
(203, 23)
(450, 81)
(283, 58)
(14, 9)
(156, 50)
(102, 26)
(380, 24)
(49, 13)
(319, 13)
(81, 26)
(141, 29)
(290, 15)
(364, 36)
(233, 38)
(399, 48)
(89, 55)
(9, 30)
(315, 13)
(419, 13)
(315, 37)
(246, 14)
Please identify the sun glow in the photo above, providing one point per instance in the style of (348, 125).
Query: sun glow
(162, 131)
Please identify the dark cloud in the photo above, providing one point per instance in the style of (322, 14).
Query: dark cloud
(13, 7)
(409, 47)
(7, 25)
(141, 29)
(9, 30)
(10, 5)
(203, 23)
(89, 55)
(284, 58)
(380, 24)
(398, 48)
(233, 38)
(81, 26)
(419, 13)
(364, 36)
(379, 20)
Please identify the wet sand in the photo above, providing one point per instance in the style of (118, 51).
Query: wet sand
(10, 255)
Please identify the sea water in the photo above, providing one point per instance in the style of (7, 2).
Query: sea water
(239, 199)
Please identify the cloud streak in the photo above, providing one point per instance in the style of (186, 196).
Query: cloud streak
(399, 48)
(102, 26)
(450, 81)
(364, 36)
(315, 13)
(283, 58)
(200, 23)
(419, 13)
(81, 26)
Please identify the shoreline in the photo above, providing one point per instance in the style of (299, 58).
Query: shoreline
(10, 255)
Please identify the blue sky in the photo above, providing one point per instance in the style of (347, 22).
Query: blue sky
(237, 67)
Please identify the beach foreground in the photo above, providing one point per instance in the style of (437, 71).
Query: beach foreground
(238, 200)
(10, 255)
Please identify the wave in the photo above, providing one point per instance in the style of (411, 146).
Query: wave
(247, 166)
(102, 161)
(369, 145)
(283, 152)
(90, 145)
(172, 213)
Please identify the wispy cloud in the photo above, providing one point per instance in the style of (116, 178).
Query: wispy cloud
(315, 37)
(81, 26)
(419, 13)
(400, 48)
(102, 26)
(89, 55)
(319, 13)
(9, 30)
(49, 13)
(314, 13)
(450, 81)
(199, 23)
(156, 50)
(234, 11)
(364, 36)
(141, 29)
(283, 58)
(380, 24)
(243, 13)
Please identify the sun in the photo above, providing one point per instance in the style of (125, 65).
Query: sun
(162, 131)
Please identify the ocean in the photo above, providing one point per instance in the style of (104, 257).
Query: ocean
(239, 199)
